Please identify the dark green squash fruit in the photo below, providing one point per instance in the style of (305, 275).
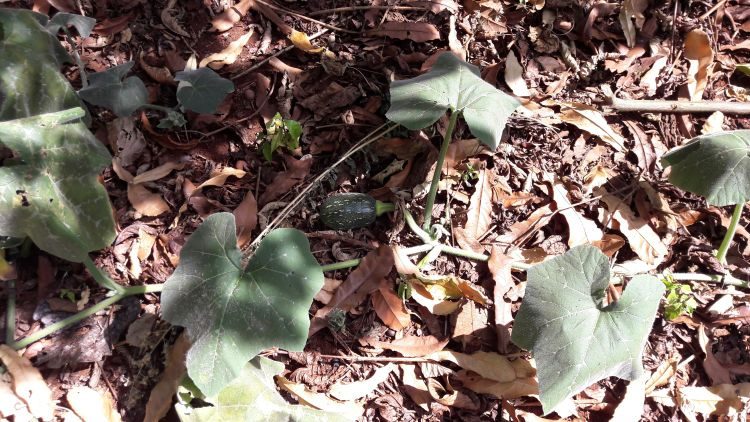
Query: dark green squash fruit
(346, 211)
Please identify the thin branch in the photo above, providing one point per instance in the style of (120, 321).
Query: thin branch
(664, 106)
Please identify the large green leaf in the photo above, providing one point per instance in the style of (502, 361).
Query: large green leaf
(455, 85)
(716, 166)
(202, 90)
(48, 188)
(253, 397)
(574, 339)
(230, 313)
(111, 89)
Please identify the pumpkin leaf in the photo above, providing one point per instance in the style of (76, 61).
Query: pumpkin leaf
(455, 85)
(109, 89)
(83, 24)
(231, 313)
(253, 397)
(48, 188)
(715, 166)
(202, 90)
(574, 338)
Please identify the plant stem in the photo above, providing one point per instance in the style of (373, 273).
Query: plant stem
(10, 313)
(721, 254)
(438, 170)
(426, 238)
(124, 292)
(101, 278)
(341, 265)
(383, 207)
(158, 108)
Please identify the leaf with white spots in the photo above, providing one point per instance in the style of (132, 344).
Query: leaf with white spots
(576, 340)
(48, 186)
(231, 313)
(716, 166)
(452, 84)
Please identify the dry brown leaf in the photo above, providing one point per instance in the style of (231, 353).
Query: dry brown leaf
(518, 387)
(632, 9)
(326, 293)
(714, 123)
(170, 21)
(714, 369)
(228, 55)
(591, 120)
(642, 239)
(723, 399)
(699, 53)
(630, 408)
(319, 401)
(478, 216)
(296, 172)
(435, 6)
(146, 202)
(514, 76)
(664, 374)
(581, 230)
(413, 31)
(649, 79)
(160, 399)
(145, 244)
(158, 172)
(359, 389)
(91, 405)
(500, 268)
(450, 397)
(415, 387)
(28, 384)
(112, 26)
(453, 43)
(246, 218)
(597, 176)
(390, 308)
(412, 346)
(225, 21)
(125, 138)
(11, 405)
(452, 287)
(301, 41)
(361, 282)
(491, 365)
(538, 219)
(140, 329)
(422, 296)
(159, 74)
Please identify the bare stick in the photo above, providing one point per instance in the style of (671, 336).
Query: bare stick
(663, 106)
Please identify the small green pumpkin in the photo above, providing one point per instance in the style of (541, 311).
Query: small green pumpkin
(347, 211)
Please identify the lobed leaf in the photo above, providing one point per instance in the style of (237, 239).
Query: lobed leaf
(574, 338)
(109, 89)
(202, 90)
(455, 85)
(231, 313)
(715, 166)
(48, 188)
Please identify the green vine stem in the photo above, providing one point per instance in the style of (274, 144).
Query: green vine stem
(438, 170)
(10, 313)
(341, 265)
(101, 278)
(125, 292)
(721, 254)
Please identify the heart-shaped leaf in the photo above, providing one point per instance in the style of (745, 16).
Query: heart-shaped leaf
(575, 340)
(108, 89)
(48, 188)
(253, 397)
(202, 90)
(231, 313)
(455, 85)
(715, 166)
(82, 24)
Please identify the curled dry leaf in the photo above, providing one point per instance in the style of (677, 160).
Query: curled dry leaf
(159, 74)
(28, 384)
(722, 400)
(160, 399)
(415, 387)
(91, 405)
(447, 396)
(246, 218)
(414, 31)
(412, 346)
(228, 55)
(642, 239)
(295, 173)
(630, 409)
(146, 202)
(491, 365)
(514, 76)
(390, 308)
(436, 306)
(591, 120)
(319, 400)
(714, 369)
(367, 278)
(448, 286)
(359, 389)
(225, 20)
(581, 230)
(519, 387)
(479, 215)
(170, 21)
(500, 268)
(699, 53)
(325, 294)
(538, 219)
(301, 41)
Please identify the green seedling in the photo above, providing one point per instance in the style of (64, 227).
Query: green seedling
(679, 300)
(280, 133)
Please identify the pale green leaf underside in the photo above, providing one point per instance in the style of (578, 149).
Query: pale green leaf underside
(232, 314)
(452, 84)
(575, 341)
(253, 397)
(715, 166)
(202, 90)
(49, 189)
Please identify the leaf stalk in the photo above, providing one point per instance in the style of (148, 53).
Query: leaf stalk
(438, 170)
(721, 254)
